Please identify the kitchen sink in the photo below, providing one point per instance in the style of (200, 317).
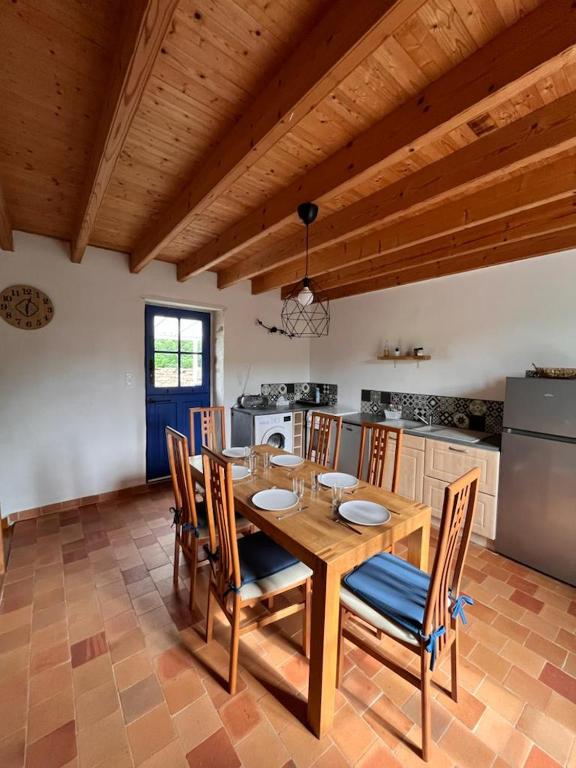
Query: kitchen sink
(462, 435)
(400, 423)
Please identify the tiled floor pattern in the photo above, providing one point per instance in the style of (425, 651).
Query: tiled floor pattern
(101, 665)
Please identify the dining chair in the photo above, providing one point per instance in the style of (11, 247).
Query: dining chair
(381, 446)
(322, 427)
(189, 514)
(248, 571)
(418, 610)
(212, 427)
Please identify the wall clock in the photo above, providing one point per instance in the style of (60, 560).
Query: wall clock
(25, 307)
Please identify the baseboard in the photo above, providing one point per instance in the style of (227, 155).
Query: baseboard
(85, 501)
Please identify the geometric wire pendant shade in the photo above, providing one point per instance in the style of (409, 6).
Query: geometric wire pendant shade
(306, 309)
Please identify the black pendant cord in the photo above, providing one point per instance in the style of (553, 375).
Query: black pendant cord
(306, 269)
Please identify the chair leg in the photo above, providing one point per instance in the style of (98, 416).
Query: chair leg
(454, 664)
(234, 647)
(209, 616)
(340, 661)
(307, 618)
(176, 558)
(193, 573)
(425, 677)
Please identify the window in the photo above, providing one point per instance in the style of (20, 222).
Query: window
(177, 352)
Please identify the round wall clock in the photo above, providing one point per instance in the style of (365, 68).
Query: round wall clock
(25, 307)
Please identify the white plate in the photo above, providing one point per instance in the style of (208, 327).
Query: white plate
(287, 460)
(235, 453)
(339, 479)
(364, 512)
(275, 499)
(239, 472)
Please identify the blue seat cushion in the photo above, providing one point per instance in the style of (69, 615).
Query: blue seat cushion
(392, 587)
(260, 556)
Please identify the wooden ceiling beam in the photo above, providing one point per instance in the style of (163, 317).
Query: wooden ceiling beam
(6, 238)
(509, 63)
(548, 183)
(548, 218)
(145, 26)
(535, 137)
(335, 46)
(502, 254)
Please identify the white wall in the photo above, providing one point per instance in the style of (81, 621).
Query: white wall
(479, 328)
(69, 427)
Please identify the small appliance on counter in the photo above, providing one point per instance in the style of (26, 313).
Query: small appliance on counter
(252, 401)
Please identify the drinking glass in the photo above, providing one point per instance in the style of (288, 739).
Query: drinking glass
(314, 483)
(266, 461)
(298, 488)
(252, 463)
(337, 494)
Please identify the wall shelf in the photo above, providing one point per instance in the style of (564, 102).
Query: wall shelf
(403, 359)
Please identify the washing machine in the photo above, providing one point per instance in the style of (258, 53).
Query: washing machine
(275, 429)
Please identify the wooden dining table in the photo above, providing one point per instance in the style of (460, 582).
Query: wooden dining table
(330, 549)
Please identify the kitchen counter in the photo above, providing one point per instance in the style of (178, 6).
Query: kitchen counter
(490, 442)
(336, 409)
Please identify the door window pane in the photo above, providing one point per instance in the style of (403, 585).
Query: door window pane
(165, 334)
(191, 336)
(190, 370)
(165, 369)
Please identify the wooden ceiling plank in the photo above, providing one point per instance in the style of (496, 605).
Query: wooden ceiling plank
(542, 134)
(335, 47)
(510, 62)
(551, 217)
(146, 24)
(503, 254)
(548, 183)
(6, 239)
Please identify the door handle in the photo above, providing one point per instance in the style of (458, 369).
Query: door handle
(457, 450)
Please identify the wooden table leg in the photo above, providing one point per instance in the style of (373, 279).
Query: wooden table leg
(323, 648)
(419, 545)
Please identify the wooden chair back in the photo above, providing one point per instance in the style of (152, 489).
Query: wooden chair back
(380, 449)
(221, 522)
(454, 537)
(212, 428)
(182, 483)
(322, 427)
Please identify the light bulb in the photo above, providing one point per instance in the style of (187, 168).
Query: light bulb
(305, 297)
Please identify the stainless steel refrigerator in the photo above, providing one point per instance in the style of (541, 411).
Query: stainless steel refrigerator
(537, 497)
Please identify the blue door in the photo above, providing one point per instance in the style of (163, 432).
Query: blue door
(177, 377)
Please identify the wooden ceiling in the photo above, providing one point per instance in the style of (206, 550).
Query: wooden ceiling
(437, 136)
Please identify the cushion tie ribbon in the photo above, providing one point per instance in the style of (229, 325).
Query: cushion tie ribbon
(458, 607)
(176, 516)
(431, 641)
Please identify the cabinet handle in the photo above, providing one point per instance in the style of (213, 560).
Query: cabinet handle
(457, 450)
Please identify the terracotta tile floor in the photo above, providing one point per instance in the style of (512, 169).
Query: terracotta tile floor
(102, 665)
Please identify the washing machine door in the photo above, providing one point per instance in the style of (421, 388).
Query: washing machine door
(275, 436)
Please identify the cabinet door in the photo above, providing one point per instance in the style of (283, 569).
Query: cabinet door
(411, 473)
(449, 461)
(484, 518)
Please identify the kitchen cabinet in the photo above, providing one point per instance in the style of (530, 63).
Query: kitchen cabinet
(411, 461)
(427, 466)
(446, 462)
(485, 517)
(449, 461)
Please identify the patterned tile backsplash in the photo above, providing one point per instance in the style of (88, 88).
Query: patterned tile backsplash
(300, 391)
(461, 412)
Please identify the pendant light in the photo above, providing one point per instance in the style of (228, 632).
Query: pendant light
(306, 310)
